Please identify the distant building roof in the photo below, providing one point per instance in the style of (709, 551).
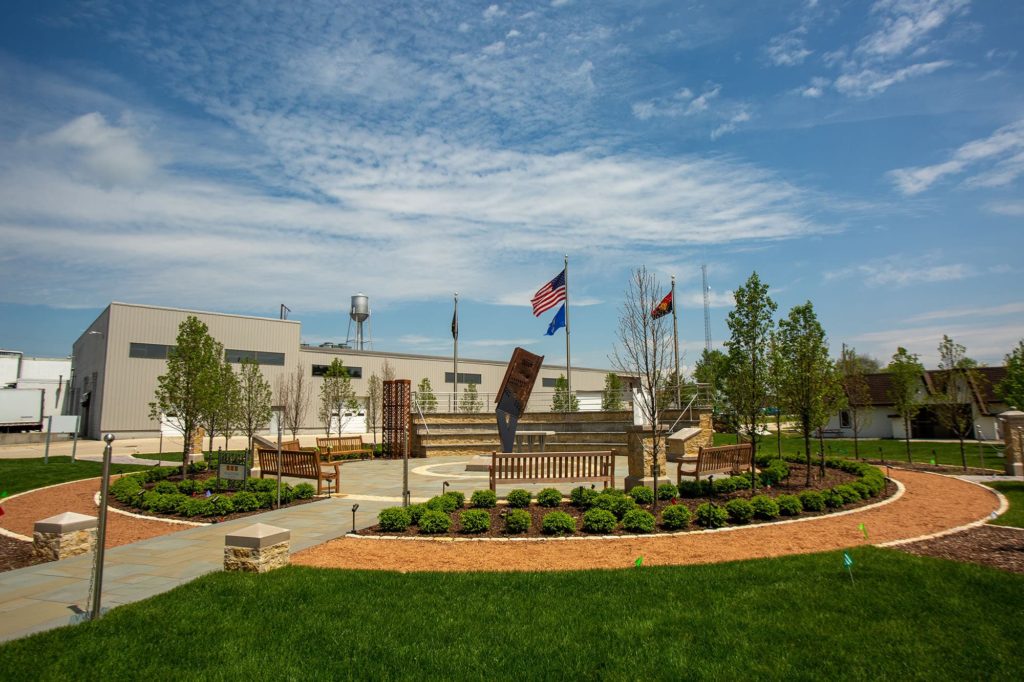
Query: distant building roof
(988, 378)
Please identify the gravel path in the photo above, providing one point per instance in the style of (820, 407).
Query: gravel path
(931, 503)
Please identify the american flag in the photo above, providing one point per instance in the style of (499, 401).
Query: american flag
(549, 295)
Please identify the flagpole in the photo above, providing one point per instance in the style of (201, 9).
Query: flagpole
(568, 363)
(455, 338)
(675, 341)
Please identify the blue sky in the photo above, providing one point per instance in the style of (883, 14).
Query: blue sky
(866, 156)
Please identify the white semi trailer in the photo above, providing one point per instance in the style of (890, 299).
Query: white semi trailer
(21, 409)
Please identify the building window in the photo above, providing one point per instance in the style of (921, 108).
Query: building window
(463, 378)
(548, 383)
(844, 419)
(262, 357)
(150, 351)
(352, 372)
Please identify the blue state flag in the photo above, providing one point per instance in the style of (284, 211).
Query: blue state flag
(558, 322)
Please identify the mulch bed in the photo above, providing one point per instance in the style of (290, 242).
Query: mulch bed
(995, 546)
(16, 554)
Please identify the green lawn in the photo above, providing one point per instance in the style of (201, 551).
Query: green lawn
(790, 618)
(890, 450)
(19, 475)
(1014, 491)
(166, 456)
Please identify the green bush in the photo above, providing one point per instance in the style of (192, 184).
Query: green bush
(267, 500)
(789, 505)
(188, 486)
(666, 491)
(557, 523)
(393, 519)
(434, 522)
(724, 486)
(221, 505)
(583, 497)
(484, 499)
(287, 493)
(519, 498)
(245, 501)
(304, 491)
(445, 503)
(691, 489)
(170, 503)
(517, 521)
(126, 490)
(612, 492)
(160, 473)
(676, 516)
(618, 504)
(599, 521)
(848, 493)
(862, 490)
(460, 498)
(739, 510)
(776, 471)
(165, 488)
(151, 500)
(264, 485)
(833, 500)
(195, 506)
(415, 512)
(475, 520)
(639, 521)
(812, 500)
(549, 497)
(641, 494)
(764, 507)
(710, 515)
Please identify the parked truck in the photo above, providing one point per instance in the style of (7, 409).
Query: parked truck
(21, 409)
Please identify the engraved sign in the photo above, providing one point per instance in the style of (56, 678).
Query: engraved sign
(515, 391)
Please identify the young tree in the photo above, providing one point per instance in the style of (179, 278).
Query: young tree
(216, 407)
(293, 395)
(808, 381)
(746, 385)
(470, 401)
(711, 371)
(186, 389)
(858, 394)
(1011, 389)
(644, 349)
(562, 401)
(254, 396)
(905, 370)
(374, 404)
(776, 376)
(230, 419)
(336, 394)
(611, 399)
(951, 394)
(425, 397)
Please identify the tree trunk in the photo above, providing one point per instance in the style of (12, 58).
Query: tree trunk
(821, 452)
(807, 454)
(906, 435)
(184, 454)
(856, 434)
(778, 432)
(963, 453)
(753, 456)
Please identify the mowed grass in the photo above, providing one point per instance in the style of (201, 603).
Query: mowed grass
(799, 617)
(890, 450)
(1014, 491)
(19, 475)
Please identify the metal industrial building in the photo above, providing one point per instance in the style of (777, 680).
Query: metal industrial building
(117, 360)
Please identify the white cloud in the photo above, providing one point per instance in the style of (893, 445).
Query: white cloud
(788, 49)
(870, 82)
(815, 89)
(902, 270)
(906, 23)
(493, 12)
(100, 151)
(985, 343)
(495, 48)
(981, 312)
(681, 104)
(1010, 208)
(730, 125)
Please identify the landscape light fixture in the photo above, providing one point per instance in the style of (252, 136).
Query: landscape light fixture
(354, 508)
(101, 534)
(444, 487)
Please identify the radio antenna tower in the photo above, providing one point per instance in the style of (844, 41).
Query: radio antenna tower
(707, 307)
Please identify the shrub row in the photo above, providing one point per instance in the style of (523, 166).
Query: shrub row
(166, 497)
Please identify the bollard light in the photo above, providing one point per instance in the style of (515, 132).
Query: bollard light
(355, 507)
(444, 487)
(101, 534)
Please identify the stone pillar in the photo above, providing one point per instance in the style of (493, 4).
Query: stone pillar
(1013, 436)
(256, 549)
(64, 535)
(641, 460)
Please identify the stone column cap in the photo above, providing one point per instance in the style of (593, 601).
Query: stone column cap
(66, 523)
(1011, 414)
(257, 536)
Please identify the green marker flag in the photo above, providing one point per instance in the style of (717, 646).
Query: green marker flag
(932, 461)
(639, 561)
(848, 562)
(863, 529)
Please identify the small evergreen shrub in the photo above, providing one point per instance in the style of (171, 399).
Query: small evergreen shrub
(304, 491)
(789, 505)
(676, 516)
(266, 500)
(245, 501)
(617, 504)
(475, 520)
(169, 503)
(221, 505)
(126, 490)
(557, 523)
(639, 520)
(764, 507)
(583, 497)
(188, 486)
(160, 473)
(739, 510)
(519, 498)
(393, 519)
(833, 500)
(195, 506)
(151, 500)
(165, 488)
(460, 498)
(517, 521)
(666, 491)
(691, 489)
(711, 515)
(812, 500)
(724, 486)
(862, 490)
(741, 481)
(434, 522)
(599, 521)
(415, 512)
(848, 493)
(641, 494)
(775, 472)
(484, 499)
(549, 497)
(263, 485)
(445, 503)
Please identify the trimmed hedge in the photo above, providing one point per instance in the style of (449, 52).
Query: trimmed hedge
(549, 497)
(639, 520)
(558, 523)
(667, 491)
(393, 519)
(617, 503)
(484, 499)
(765, 507)
(435, 521)
(517, 521)
(519, 498)
(812, 500)
(599, 521)
(641, 494)
(710, 515)
(475, 520)
(740, 511)
(676, 516)
(583, 497)
(789, 505)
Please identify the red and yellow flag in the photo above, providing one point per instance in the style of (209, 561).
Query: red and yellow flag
(663, 308)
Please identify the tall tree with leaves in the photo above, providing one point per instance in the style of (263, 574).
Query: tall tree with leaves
(470, 401)
(746, 385)
(905, 381)
(229, 404)
(562, 400)
(711, 370)
(425, 397)
(254, 396)
(216, 407)
(336, 395)
(951, 391)
(374, 404)
(189, 384)
(611, 398)
(808, 376)
(857, 391)
(1011, 389)
(776, 385)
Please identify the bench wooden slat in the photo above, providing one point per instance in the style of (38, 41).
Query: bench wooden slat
(719, 459)
(342, 445)
(298, 464)
(552, 467)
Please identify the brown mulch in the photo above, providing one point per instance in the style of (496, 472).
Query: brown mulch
(996, 546)
(16, 554)
(930, 504)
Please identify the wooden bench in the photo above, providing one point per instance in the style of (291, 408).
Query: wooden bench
(552, 467)
(829, 433)
(342, 446)
(299, 464)
(717, 460)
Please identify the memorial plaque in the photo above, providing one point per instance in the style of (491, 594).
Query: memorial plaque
(516, 388)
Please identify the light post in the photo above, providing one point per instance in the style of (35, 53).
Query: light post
(355, 508)
(101, 533)
(278, 411)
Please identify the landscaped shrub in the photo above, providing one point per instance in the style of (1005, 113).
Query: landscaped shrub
(151, 500)
(833, 500)
(220, 484)
(126, 489)
(711, 515)
(789, 505)
(264, 485)
(484, 499)
(160, 473)
(666, 491)
(266, 499)
(435, 521)
(287, 493)
(764, 507)
(862, 490)
(741, 481)
(169, 503)
(245, 501)
(557, 523)
(692, 488)
(676, 516)
(583, 497)
(460, 498)
(599, 521)
(848, 493)
(739, 510)
(519, 498)
(639, 521)
(393, 519)
(616, 503)
(549, 497)
(221, 505)
(517, 521)
(641, 494)
(415, 512)
(475, 520)
(188, 486)
(195, 506)
(775, 472)
(445, 503)
(304, 491)
(812, 500)
(165, 488)
(724, 486)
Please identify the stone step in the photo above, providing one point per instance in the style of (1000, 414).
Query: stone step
(472, 449)
(493, 437)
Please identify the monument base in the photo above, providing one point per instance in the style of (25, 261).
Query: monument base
(479, 463)
(1014, 469)
(646, 481)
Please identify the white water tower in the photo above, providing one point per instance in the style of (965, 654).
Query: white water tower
(359, 313)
